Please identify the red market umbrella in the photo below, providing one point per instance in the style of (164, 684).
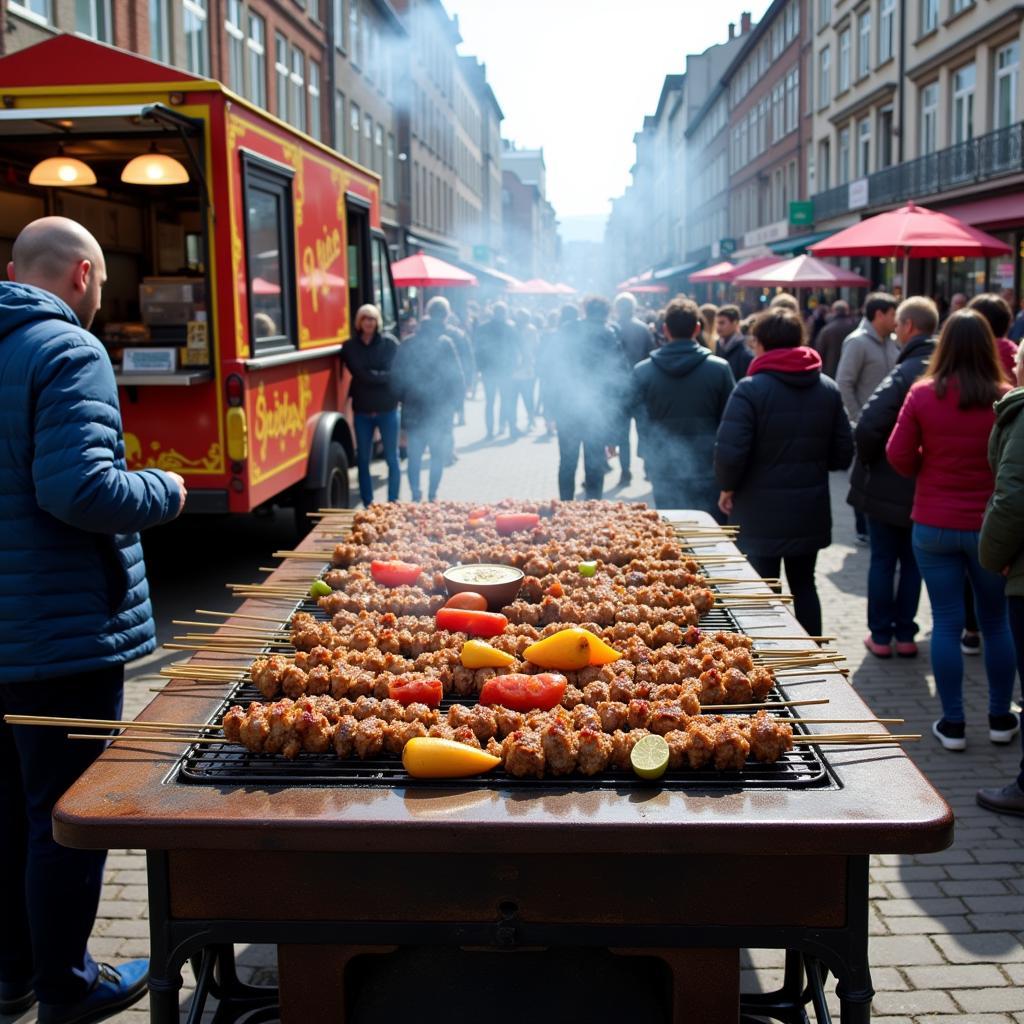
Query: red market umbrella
(648, 289)
(564, 289)
(261, 286)
(535, 286)
(749, 266)
(712, 273)
(802, 272)
(911, 231)
(422, 271)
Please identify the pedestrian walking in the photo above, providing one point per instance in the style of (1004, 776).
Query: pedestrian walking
(829, 342)
(637, 344)
(588, 410)
(996, 310)
(496, 351)
(783, 430)
(678, 397)
(708, 313)
(1001, 549)
(885, 497)
(941, 439)
(427, 378)
(732, 343)
(464, 350)
(72, 513)
(524, 376)
(556, 338)
(368, 358)
(867, 356)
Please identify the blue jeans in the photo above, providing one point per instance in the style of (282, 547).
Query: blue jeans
(387, 424)
(891, 605)
(945, 558)
(1017, 627)
(437, 437)
(48, 893)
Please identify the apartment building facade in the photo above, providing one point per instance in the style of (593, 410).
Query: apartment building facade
(529, 224)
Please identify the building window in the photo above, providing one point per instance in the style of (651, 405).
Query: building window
(354, 123)
(1007, 79)
(843, 171)
(792, 99)
(234, 27)
(824, 12)
(885, 137)
(824, 77)
(367, 144)
(281, 74)
(886, 29)
(160, 31)
(314, 100)
(963, 103)
(34, 10)
(823, 174)
(353, 31)
(339, 24)
(297, 92)
(929, 16)
(256, 86)
(778, 111)
(197, 45)
(92, 19)
(929, 118)
(864, 147)
(391, 172)
(864, 43)
(961, 5)
(339, 121)
(844, 60)
(378, 150)
(313, 9)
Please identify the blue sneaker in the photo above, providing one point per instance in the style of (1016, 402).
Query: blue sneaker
(115, 989)
(15, 999)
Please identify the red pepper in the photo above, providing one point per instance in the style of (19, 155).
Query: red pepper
(510, 522)
(467, 599)
(395, 573)
(464, 620)
(555, 590)
(416, 691)
(520, 692)
(480, 512)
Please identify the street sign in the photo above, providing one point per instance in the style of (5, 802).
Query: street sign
(801, 213)
(727, 246)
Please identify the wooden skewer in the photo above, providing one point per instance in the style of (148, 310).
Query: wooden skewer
(726, 580)
(790, 636)
(247, 631)
(238, 615)
(316, 554)
(148, 738)
(237, 639)
(859, 737)
(101, 723)
(764, 705)
(205, 647)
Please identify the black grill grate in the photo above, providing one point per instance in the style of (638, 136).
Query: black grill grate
(227, 765)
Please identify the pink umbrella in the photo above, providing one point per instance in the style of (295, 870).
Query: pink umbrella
(748, 266)
(803, 272)
(422, 271)
(911, 231)
(564, 289)
(535, 286)
(648, 289)
(712, 273)
(261, 286)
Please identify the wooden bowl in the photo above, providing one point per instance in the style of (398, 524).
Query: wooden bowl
(498, 583)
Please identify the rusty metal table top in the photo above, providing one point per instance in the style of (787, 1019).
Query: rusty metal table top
(880, 802)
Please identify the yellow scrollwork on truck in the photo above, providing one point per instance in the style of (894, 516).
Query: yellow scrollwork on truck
(171, 459)
(317, 260)
(282, 416)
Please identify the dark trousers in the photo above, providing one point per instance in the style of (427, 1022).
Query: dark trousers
(437, 437)
(860, 522)
(569, 441)
(491, 390)
(892, 605)
(1016, 605)
(509, 405)
(48, 893)
(625, 455)
(800, 577)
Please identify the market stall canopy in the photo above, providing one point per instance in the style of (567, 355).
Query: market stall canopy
(911, 231)
(648, 289)
(564, 289)
(803, 272)
(535, 286)
(749, 266)
(715, 272)
(422, 271)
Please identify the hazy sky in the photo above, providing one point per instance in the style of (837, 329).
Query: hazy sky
(578, 76)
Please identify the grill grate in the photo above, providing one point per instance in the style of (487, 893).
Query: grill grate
(227, 765)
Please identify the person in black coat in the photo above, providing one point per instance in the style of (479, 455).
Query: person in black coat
(427, 378)
(731, 344)
(594, 377)
(884, 496)
(783, 430)
(678, 397)
(496, 351)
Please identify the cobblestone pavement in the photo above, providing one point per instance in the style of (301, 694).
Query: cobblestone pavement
(947, 928)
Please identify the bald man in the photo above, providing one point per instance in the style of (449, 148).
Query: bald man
(74, 607)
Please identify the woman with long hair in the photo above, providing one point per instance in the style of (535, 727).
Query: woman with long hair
(941, 439)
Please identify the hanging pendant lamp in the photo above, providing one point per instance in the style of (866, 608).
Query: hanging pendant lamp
(154, 168)
(61, 172)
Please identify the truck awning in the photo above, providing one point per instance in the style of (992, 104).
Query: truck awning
(127, 119)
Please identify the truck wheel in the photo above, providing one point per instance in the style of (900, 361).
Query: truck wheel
(333, 494)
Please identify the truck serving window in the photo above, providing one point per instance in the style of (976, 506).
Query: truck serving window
(270, 255)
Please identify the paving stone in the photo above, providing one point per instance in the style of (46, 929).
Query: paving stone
(981, 870)
(941, 906)
(914, 890)
(951, 976)
(980, 947)
(975, 887)
(914, 1002)
(991, 1000)
(994, 921)
(902, 950)
(927, 925)
(888, 979)
(965, 1018)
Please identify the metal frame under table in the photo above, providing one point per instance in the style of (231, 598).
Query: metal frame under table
(332, 874)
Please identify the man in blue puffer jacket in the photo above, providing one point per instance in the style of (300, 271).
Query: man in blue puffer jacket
(74, 607)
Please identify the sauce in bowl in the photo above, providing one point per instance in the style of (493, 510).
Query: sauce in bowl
(498, 583)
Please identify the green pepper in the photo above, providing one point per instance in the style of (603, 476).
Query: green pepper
(588, 568)
(320, 589)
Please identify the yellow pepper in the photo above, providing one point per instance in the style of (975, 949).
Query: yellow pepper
(477, 654)
(430, 757)
(570, 650)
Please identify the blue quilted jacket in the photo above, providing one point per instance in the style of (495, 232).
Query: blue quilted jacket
(73, 590)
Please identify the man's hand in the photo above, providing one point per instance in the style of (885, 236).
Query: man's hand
(182, 488)
(725, 502)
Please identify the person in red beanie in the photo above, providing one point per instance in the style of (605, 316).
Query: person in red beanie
(783, 430)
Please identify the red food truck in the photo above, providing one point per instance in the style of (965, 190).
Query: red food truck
(237, 251)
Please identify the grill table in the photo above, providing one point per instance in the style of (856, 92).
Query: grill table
(689, 877)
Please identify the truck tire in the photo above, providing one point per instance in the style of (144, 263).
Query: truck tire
(333, 494)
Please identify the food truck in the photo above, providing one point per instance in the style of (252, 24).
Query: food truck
(237, 251)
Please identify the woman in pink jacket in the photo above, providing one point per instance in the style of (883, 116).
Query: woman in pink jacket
(941, 438)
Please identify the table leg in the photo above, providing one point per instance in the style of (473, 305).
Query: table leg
(311, 981)
(705, 983)
(164, 977)
(854, 990)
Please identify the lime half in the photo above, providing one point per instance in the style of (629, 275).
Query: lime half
(650, 757)
(320, 589)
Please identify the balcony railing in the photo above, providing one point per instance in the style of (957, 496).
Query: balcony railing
(990, 156)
